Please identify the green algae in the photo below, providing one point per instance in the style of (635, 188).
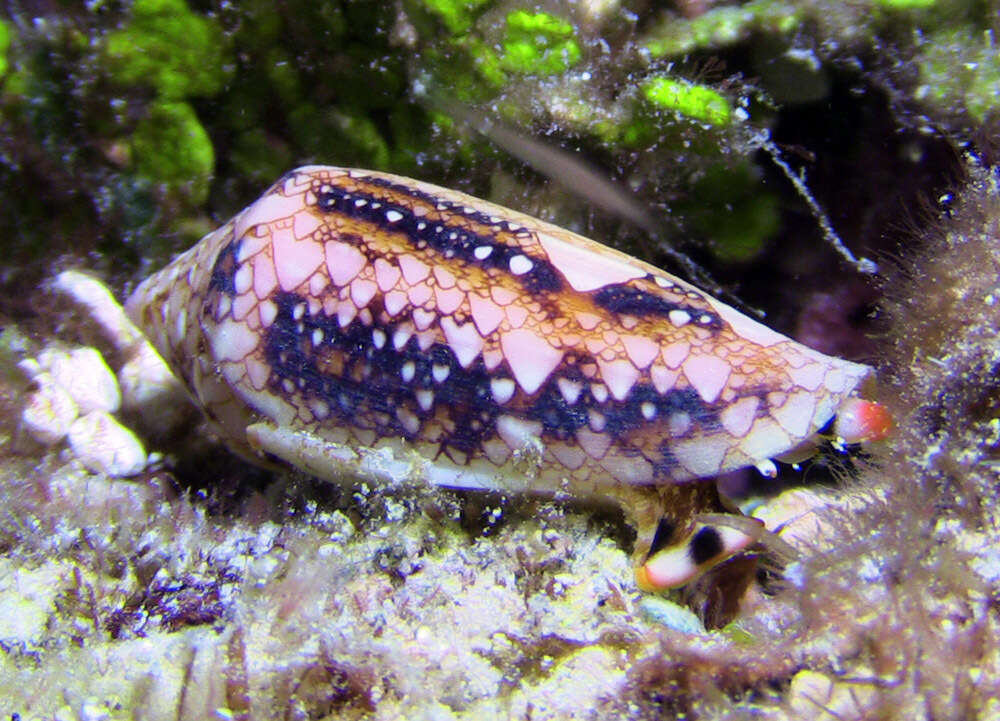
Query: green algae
(330, 83)
(345, 134)
(181, 55)
(457, 15)
(475, 67)
(467, 66)
(697, 102)
(539, 44)
(488, 65)
(4, 45)
(258, 155)
(908, 4)
(727, 207)
(171, 146)
(960, 72)
(721, 26)
(282, 75)
(167, 46)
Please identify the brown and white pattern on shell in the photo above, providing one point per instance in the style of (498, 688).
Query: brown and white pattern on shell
(351, 318)
(375, 307)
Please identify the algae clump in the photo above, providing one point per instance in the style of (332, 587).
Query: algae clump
(172, 147)
(169, 47)
(538, 43)
(4, 44)
(697, 102)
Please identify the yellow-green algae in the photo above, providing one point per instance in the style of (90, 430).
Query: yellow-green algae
(696, 102)
(181, 55)
(909, 4)
(77, 84)
(721, 26)
(729, 210)
(457, 15)
(165, 45)
(473, 68)
(960, 70)
(170, 146)
(538, 43)
(4, 45)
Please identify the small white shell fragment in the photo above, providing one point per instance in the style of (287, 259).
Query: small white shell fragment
(103, 445)
(150, 390)
(83, 374)
(667, 613)
(100, 305)
(823, 698)
(48, 411)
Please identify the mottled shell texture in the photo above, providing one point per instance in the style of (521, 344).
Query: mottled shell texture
(373, 310)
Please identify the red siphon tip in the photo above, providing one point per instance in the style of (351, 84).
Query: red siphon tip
(861, 421)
